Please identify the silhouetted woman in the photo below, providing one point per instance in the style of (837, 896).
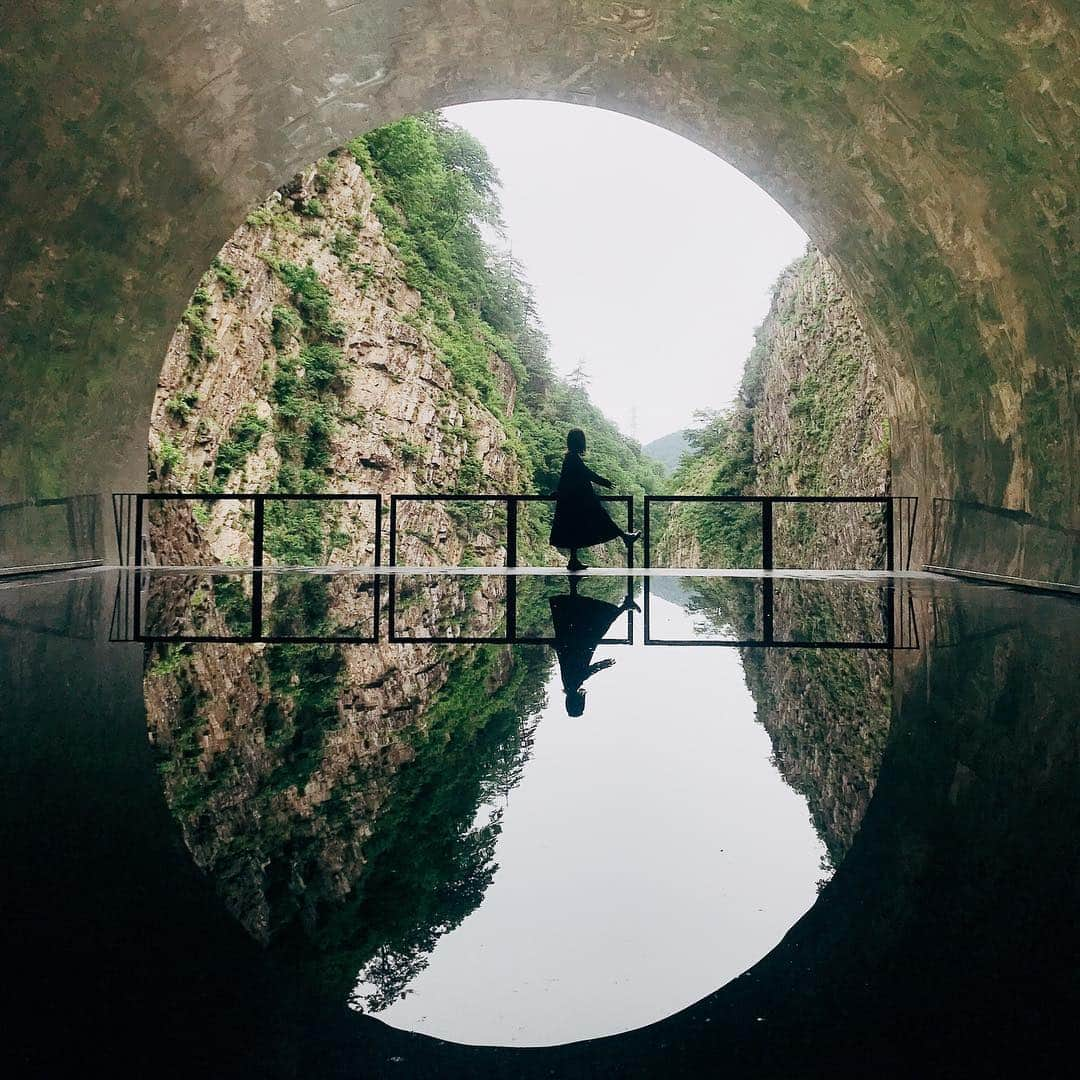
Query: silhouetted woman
(580, 624)
(580, 517)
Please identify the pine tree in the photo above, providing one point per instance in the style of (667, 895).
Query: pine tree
(579, 378)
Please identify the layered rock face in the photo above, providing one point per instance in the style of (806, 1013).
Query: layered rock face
(399, 424)
(820, 425)
(810, 420)
(812, 338)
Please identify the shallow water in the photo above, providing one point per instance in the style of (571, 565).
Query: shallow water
(869, 806)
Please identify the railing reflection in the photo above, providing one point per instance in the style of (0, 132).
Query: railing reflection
(786, 612)
(50, 534)
(411, 607)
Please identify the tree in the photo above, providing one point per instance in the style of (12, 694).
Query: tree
(579, 379)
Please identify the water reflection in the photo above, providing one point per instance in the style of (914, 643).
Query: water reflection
(361, 821)
(350, 803)
(581, 623)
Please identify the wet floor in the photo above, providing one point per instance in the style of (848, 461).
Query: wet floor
(710, 817)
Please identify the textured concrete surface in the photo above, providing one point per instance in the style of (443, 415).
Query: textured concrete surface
(930, 150)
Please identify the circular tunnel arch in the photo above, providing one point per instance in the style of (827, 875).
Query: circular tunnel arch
(896, 140)
(143, 136)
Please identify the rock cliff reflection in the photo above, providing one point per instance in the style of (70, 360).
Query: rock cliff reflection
(423, 830)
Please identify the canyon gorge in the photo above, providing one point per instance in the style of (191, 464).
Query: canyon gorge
(322, 352)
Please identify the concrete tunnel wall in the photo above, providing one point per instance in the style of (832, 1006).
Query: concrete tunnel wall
(930, 149)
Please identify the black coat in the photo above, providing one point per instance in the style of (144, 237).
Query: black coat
(580, 517)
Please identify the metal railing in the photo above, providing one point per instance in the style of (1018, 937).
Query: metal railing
(511, 502)
(129, 515)
(903, 507)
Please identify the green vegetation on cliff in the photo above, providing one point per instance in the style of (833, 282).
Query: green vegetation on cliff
(435, 190)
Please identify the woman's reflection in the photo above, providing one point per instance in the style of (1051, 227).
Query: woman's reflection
(580, 624)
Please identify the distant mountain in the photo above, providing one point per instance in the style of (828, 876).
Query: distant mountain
(668, 449)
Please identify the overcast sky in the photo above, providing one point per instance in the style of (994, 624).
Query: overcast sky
(651, 258)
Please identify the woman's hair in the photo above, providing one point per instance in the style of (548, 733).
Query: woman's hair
(575, 440)
(575, 703)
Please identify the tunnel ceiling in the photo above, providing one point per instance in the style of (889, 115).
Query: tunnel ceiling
(929, 148)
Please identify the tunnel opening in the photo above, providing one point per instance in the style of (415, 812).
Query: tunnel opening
(308, 318)
(930, 154)
(363, 375)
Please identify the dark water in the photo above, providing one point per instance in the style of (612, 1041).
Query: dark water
(797, 822)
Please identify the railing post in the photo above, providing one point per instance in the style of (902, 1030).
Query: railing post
(376, 590)
(511, 562)
(138, 554)
(378, 529)
(511, 530)
(766, 534)
(767, 564)
(913, 516)
(258, 530)
(889, 533)
(116, 502)
(393, 530)
(646, 558)
(138, 530)
(391, 584)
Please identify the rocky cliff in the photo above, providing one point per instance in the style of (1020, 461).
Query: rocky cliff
(813, 384)
(810, 420)
(306, 362)
(300, 364)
